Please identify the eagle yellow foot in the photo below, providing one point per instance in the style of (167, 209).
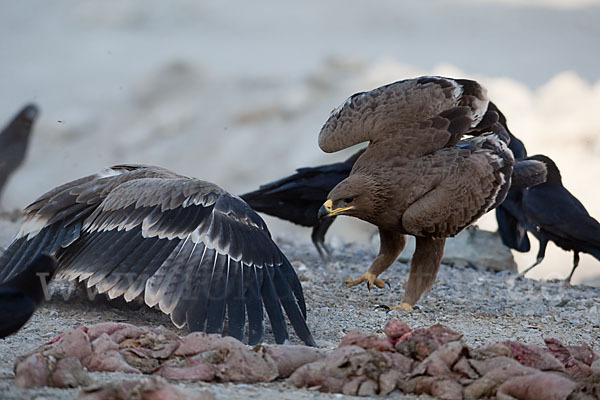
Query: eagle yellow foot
(368, 277)
(403, 307)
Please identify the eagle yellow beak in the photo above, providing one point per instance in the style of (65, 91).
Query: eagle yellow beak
(327, 210)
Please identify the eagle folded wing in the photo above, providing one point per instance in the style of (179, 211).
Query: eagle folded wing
(426, 114)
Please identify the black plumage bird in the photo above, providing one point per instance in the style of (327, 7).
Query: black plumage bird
(511, 230)
(14, 139)
(298, 197)
(186, 245)
(551, 213)
(21, 295)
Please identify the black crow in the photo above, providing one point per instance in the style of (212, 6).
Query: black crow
(550, 212)
(511, 230)
(20, 296)
(13, 142)
(298, 197)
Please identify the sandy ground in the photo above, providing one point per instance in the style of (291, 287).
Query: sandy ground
(236, 93)
(485, 306)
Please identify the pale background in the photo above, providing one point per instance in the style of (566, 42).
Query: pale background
(236, 92)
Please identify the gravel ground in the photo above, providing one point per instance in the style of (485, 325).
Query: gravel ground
(485, 306)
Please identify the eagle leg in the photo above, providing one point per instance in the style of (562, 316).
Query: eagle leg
(423, 269)
(391, 245)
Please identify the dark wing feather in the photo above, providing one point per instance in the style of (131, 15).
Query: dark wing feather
(217, 296)
(511, 223)
(225, 233)
(196, 293)
(14, 139)
(235, 301)
(59, 213)
(15, 310)
(253, 277)
(175, 239)
(272, 300)
(20, 296)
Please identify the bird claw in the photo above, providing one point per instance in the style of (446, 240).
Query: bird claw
(520, 277)
(402, 306)
(384, 307)
(369, 278)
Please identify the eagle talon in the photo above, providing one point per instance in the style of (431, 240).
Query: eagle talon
(384, 307)
(401, 306)
(369, 278)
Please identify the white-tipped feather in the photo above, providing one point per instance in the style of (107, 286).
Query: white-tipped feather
(32, 226)
(480, 108)
(107, 172)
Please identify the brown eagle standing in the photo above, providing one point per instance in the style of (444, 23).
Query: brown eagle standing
(417, 176)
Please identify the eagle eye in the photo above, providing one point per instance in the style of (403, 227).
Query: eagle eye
(348, 200)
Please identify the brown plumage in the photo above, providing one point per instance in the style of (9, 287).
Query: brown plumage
(417, 176)
(188, 246)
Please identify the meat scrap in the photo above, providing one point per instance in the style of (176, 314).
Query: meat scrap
(111, 347)
(435, 361)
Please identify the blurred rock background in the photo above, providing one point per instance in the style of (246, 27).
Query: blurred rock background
(236, 92)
